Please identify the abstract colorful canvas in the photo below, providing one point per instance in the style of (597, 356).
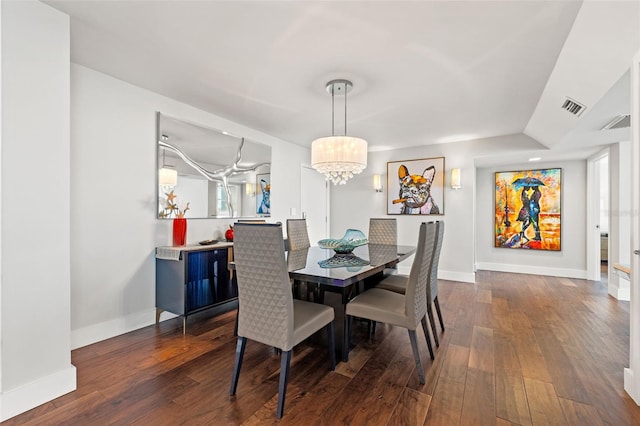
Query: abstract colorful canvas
(416, 186)
(527, 209)
(263, 190)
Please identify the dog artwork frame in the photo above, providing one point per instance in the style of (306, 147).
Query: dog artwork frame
(415, 187)
(528, 209)
(263, 194)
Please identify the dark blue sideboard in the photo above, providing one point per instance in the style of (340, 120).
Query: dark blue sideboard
(193, 278)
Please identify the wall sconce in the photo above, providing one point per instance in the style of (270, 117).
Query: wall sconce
(455, 178)
(377, 183)
(167, 175)
(250, 189)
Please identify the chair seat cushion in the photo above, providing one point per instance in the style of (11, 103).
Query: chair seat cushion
(381, 306)
(396, 283)
(308, 318)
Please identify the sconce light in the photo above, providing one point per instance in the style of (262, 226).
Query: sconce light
(167, 175)
(250, 189)
(455, 178)
(377, 183)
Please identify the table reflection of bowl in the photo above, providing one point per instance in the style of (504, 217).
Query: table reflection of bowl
(341, 260)
(351, 239)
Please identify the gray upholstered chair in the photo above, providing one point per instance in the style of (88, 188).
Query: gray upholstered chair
(267, 312)
(398, 283)
(383, 231)
(297, 234)
(402, 310)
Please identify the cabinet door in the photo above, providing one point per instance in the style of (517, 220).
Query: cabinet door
(207, 280)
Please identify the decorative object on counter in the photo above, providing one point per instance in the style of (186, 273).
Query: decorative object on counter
(352, 239)
(340, 260)
(207, 242)
(171, 209)
(419, 185)
(229, 234)
(179, 231)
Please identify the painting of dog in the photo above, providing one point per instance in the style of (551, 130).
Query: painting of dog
(416, 187)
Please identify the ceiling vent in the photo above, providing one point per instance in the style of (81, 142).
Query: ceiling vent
(573, 107)
(618, 122)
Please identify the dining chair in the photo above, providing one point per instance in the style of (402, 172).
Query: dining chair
(297, 234)
(398, 283)
(383, 231)
(298, 239)
(402, 310)
(267, 312)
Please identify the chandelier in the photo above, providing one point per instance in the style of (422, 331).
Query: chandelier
(339, 157)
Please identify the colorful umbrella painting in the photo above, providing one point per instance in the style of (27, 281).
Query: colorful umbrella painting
(527, 209)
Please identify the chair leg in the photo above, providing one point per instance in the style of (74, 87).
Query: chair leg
(285, 361)
(346, 340)
(331, 339)
(432, 321)
(435, 301)
(416, 355)
(426, 336)
(242, 343)
(235, 327)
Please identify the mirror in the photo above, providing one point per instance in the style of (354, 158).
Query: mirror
(208, 173)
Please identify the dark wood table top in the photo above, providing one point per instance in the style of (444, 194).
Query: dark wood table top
(303, 264)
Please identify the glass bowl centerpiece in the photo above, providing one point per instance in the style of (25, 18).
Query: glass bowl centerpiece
(351, 239)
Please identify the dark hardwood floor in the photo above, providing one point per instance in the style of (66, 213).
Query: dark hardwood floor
(518, 349)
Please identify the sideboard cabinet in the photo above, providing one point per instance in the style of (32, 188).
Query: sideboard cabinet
(190, 279)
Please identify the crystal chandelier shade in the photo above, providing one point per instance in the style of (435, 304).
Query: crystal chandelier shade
(339, 158)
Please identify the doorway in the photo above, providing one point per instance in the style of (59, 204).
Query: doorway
(598, 202)
(314, 203)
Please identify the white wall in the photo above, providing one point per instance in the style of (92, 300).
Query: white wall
(571, 260)
(35, 282)
(114, 228)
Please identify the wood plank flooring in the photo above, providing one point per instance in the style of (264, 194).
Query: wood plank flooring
(517, 350)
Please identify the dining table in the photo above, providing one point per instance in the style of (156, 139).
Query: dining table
(340, 277)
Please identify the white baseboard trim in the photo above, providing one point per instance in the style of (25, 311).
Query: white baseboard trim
(28, 396)
(108, 329)
(533, 269)
(619, 292)
(443, 275)
(630, 385)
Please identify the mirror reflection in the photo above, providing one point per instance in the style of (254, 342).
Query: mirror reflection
(208, 173)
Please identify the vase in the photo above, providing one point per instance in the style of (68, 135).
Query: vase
(179, 231)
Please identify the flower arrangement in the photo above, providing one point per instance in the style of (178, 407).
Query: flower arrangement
(171, 208)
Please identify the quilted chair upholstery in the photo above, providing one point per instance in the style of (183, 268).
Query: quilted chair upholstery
(403, 310)
(267, 312)
(398, 283)
(297, 234)
(383, 231)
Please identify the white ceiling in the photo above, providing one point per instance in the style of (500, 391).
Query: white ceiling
(424, 72)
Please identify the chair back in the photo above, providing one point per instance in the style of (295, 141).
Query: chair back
(433, 270)
(416, 292)
(265, 301)
(383, 231)
(297, 235)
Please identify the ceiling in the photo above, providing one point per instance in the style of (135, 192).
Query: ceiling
(423, 72)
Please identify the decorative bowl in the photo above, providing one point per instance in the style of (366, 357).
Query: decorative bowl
(351, 239)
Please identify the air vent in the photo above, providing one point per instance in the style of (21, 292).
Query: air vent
(573, 107)
(618, 122)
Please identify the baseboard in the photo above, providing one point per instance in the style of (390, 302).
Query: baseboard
(620, 292)
(533, 270)
(108, 329)
(630, 385)
(443, 275)
(28, 396)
